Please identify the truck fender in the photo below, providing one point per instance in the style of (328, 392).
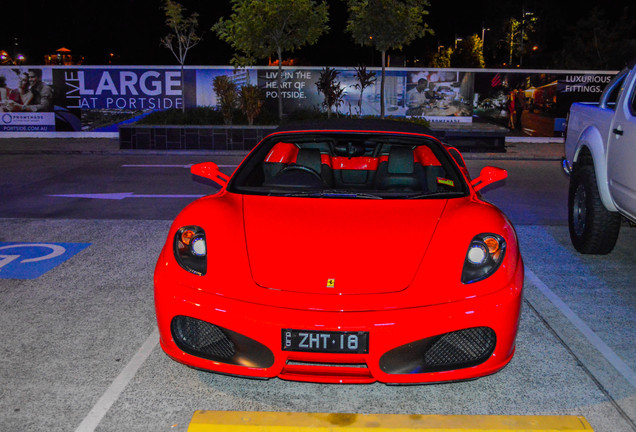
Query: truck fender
(592, 140)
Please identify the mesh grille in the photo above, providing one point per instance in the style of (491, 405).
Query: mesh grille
(201, 338)
(464, 347)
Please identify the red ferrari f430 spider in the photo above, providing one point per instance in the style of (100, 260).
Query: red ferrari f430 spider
(343, 252)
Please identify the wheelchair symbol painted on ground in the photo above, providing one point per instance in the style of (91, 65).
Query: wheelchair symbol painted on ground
(32, 260)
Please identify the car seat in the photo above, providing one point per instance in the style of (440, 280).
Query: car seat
(400, 171)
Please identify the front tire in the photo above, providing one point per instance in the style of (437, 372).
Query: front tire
(593, 228)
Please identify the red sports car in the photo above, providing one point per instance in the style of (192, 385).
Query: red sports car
(343, 252)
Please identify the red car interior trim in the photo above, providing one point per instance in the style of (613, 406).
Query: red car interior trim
(282, 153)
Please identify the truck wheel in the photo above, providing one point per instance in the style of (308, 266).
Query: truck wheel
(593, 229)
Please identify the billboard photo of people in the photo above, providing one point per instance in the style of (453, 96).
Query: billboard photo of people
(26, 100)
(440, 95)
(26, 91)
(533, 104)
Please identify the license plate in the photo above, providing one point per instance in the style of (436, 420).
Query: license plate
(326, 341)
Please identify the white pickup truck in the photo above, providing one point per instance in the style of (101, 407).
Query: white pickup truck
(600, 157)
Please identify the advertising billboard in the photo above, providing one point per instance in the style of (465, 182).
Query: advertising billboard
(97, 99)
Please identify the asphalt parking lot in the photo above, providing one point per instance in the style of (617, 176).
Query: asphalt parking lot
(81, 346)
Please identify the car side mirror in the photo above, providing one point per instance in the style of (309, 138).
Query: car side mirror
(487, 176)
(210, 171)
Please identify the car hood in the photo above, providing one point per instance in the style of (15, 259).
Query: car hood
(337, 246)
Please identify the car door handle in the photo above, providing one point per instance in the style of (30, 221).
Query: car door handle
(617, 131)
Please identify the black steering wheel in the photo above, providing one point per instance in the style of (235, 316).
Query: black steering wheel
(303, 168)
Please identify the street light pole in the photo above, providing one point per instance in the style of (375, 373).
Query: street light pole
(483, 36)
(457, 39)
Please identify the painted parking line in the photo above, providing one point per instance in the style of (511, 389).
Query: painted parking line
(246, 421)
(155, 166)
(589, 334)
(110, 396)
(121, 196)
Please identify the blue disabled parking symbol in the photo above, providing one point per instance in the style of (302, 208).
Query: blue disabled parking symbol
(32, 260)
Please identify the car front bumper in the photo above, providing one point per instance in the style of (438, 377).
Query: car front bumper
(397, 338)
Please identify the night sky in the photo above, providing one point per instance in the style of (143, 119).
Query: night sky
(131, 29)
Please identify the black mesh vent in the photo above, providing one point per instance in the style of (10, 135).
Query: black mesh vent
(461, 348)
(448, 351)
(201, 338)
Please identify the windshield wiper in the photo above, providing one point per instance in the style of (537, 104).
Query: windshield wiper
(430, 194)
(362, 195)
(332, 194)
(337, 193)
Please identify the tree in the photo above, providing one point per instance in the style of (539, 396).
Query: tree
(598, 43)
(258, 29)
(442, 59)
(183, 33)
(227, 96)
(365, 79)
(517, 33)
(468, 54)
(250, 101)
(513, 30)
(330, 88)
(386, 25)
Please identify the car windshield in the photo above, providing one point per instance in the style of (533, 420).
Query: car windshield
(349, 165)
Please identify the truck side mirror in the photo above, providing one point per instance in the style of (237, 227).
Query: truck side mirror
(488, 175)
(210, 171)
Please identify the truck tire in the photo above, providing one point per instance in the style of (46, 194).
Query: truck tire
(593, 228)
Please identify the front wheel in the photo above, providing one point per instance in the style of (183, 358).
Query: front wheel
(593, 228)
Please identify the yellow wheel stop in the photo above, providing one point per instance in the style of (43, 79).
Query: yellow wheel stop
(252, 421)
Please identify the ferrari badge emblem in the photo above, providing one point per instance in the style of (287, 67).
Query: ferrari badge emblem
(331, 283)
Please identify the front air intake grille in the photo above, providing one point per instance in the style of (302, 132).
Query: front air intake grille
(349, 373)
(201, 338)
(448, 351)
(461, 348)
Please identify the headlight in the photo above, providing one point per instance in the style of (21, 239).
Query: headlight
(190, 249)
(485, 254)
